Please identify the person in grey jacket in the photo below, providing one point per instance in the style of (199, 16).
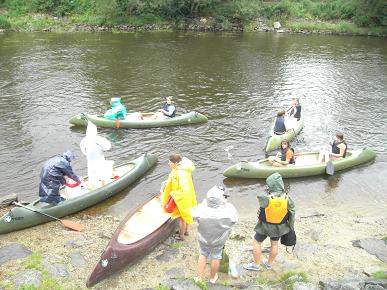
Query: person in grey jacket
(274, 221)
(215, 217)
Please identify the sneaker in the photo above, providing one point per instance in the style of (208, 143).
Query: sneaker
(252, 267)
(265, 262)
(213, 280)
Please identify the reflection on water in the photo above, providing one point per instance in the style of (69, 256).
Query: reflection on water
(238, 80)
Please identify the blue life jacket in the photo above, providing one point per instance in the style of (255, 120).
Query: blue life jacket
(166, 108)
(336, 149)
(298, 112)
(283, 156)
(279, 126)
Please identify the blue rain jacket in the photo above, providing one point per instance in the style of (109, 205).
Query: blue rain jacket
(53, 172)
(117, 111)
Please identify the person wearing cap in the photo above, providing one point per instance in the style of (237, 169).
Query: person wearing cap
(181, 188)
(118, 110)
(52, 177)
(215, 217)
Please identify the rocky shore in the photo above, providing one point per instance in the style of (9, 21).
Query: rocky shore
(333, 250)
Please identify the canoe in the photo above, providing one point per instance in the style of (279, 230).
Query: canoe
(137, 123)
(78, 198)
(306, 164)
(144, 227)
(274, 140)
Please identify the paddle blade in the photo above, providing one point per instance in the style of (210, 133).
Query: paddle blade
(73, 225)
(330, 169)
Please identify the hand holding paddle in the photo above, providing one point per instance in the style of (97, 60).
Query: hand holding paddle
(66, 223)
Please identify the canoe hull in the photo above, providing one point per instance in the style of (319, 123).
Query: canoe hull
(184, 119)
(19, 218)
(116, 256)
(274, 141)
(257, 169)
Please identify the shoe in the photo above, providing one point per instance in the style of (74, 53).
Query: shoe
(252, 267)
(265, 262)
(213, 280)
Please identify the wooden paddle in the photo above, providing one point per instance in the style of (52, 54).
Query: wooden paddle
(66, 223)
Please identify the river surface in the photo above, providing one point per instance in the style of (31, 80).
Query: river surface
(238, 80)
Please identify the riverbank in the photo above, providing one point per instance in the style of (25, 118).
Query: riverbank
(62, 259)
(47, 23)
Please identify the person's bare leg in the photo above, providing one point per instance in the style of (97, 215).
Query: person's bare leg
(182, 227)
(201, 266)
(273, 251)
(257, 251)
(214, 268)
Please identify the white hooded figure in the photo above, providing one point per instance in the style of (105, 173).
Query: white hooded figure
(93, 146)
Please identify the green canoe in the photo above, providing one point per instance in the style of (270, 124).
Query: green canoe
(274, 140)
(137, 123)
(307, 164)
(77, 198)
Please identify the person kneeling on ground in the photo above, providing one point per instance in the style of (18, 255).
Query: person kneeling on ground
(118, 110)
(337, 151)
(215, 217)
(276, 217)
(284, 157)
(52, 177)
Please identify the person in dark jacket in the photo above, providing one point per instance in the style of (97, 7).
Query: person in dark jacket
(295, 109)
(276, 217)
(279, 125)
(52, 177)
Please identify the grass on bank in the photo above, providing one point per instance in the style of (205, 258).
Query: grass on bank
(379, 275)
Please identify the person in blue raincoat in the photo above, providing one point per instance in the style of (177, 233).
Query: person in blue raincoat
(118, 110)
(52, 176)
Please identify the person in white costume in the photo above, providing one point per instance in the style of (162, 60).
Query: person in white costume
(93, 146)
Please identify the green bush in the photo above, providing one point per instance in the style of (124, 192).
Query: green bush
(370, 13)
(4, 23)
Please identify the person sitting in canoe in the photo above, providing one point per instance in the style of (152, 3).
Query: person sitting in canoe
(337, 151)
(180, 187)
(93, 146)
(215, 217)
(295, 109)
(279, 125)
(284, 157)
(168, 110)
(52, 177)
(118, 110)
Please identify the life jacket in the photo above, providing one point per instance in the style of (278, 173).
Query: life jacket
(298, 113)
(166, 108)
(279, 126)
(336, 149)
(277, 210)
(283, 156)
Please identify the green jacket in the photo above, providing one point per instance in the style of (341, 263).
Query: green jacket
(276, 188)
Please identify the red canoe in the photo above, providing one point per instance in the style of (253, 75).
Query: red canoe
(145, 227)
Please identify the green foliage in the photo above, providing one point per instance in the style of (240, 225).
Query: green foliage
(4, 23)
(34, 261)
(202, 285)
(177, 245)
(289, 278)
(370, 12)
(379, 275)
(162, 287)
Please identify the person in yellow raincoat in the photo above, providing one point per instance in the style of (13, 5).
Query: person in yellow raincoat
(180, 186)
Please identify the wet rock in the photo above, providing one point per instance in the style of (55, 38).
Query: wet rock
(167, 255)
(339, 285)
(28, 277)
(13, 252)
(374, 284)
(52, 259)
(211, 286)
(277, 25)
(374, 247)
(304, 286)
(174, 284)
(79, 242)
(175, 273)
(57, 270)
(77, 260)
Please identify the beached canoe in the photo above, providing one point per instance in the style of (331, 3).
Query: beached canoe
(306, 164)
(134, 122)
(274, 140)
(78, 198)
(144, 227)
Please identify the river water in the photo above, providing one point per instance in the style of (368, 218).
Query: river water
(238, 80)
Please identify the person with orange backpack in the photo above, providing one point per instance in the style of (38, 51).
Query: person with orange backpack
(276, 218)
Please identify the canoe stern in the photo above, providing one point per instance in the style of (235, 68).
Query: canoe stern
(78, 120)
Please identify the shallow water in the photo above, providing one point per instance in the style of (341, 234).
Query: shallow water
(238, 80)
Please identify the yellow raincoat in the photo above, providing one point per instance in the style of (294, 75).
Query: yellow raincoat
(181, 188)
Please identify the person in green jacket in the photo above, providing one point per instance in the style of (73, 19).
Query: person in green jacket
(276, 217)
(118, 110)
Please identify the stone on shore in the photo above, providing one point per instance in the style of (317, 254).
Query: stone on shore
(304, 286)
(57, 270)
(28, 277)
(77, 260)
(13, 252)
(374, 247)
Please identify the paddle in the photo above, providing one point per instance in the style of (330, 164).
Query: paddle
(66, 223)
(330, 168)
